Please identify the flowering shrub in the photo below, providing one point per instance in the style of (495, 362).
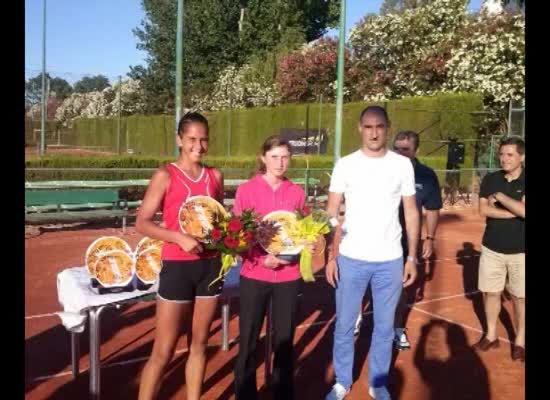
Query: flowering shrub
(238, 88)
(438, 47)
(395, 55)
(304, 74)
(490, 59)
(102, 104)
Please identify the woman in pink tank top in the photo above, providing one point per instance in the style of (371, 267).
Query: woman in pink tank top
(266, 277)
(187, 269)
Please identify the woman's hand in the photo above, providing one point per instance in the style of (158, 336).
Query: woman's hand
(189, 244)
(271, 262)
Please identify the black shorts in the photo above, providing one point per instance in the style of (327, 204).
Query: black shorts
(183, 281)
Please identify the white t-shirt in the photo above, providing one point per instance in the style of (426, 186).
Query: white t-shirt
(372, 187)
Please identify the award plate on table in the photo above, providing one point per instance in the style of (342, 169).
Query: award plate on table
(115, 270)
(100, 246)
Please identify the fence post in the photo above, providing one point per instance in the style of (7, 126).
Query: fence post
(491, 153)
(319, 125)
(119, 114)
(306, 183)
(229, 130)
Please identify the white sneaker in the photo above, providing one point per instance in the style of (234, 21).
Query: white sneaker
(358, 323)
(338, 392)
(371, 392)
(401, 340)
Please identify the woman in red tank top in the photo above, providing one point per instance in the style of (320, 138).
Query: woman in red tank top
(187, 269)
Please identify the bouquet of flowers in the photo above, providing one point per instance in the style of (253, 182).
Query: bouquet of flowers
(286, 234)
(310, 224)
(231, 235)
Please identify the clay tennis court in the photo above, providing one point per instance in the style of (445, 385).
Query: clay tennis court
(442, 325)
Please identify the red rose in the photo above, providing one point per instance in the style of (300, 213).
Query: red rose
(306, 210)
(215, 234)
(234, 225)
(247, 236)
(230, 242)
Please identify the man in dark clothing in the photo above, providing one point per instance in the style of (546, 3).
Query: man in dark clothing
(502, 202)
(428, 196)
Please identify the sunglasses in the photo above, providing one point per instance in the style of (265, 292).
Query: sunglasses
(396, 148)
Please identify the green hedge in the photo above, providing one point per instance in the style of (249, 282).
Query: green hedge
(233, 167)
(243, 130)
(153, 162)
(115, 162)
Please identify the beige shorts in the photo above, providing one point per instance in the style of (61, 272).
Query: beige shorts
(495, 267)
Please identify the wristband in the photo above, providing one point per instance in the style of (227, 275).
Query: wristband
(334, 222)
(429, 238)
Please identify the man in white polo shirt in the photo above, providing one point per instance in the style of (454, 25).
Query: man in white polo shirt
(374, 181)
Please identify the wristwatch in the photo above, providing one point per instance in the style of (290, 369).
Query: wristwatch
(413, 259)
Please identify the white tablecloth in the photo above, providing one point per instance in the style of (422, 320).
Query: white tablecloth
(76, 295)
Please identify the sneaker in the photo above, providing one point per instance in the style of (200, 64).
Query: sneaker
(338, 392)
(400, 340)
(358, 323)
(371, 392)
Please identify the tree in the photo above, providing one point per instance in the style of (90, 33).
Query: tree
(94, 83)
(59, 88)
(268, 23)
(238, 88)
(210, 31)
(490, 59)
(213, 41)
(498, 6)
(405, 53)
(395, 6)
(35, 111)
(305, 74)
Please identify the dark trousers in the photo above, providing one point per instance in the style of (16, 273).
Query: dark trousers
(408, 293)
(401, 310)
(254, 299)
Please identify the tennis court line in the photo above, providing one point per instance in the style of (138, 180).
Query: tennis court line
(454, 322)
(40, 315)
(116, 364)
(302, 326)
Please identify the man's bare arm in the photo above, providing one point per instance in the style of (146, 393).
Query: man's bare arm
(432, 218)
(516, 207)
(333, 209)
(412, 223)
(486, 209)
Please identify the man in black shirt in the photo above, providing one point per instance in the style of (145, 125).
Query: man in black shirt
(502, 202)
(428, 196)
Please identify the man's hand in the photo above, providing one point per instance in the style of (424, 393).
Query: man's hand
(427, 248)
(331, 273)
(493, 199)
(409, 273)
